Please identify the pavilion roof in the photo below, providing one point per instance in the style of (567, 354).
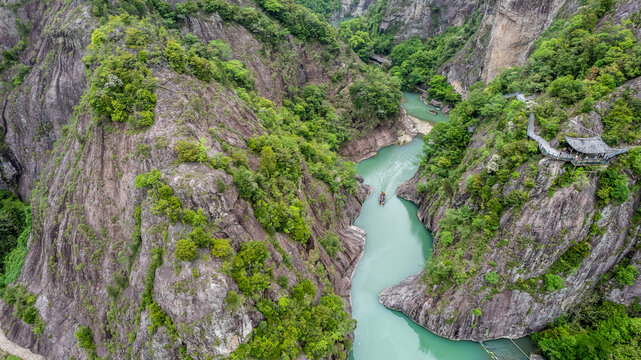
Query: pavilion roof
(590, 145)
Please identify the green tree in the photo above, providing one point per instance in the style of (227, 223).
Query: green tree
(185, 250)
(626, 275)
(553, 282)
(176, 56)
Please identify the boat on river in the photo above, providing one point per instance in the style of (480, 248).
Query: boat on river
(381, 199)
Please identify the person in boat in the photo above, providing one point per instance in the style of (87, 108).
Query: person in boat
(381, 199)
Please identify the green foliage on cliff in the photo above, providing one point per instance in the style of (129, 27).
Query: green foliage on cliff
(600, 331)
(552, 282)
(571, 259)
(190, 151)
(323, 8)
(23, 303)
(573, 61)
(416, 61)
(248, 268)
(613, 187)
(377, 94)
(186, 250)
(440, 89)
(15, 229)
(12, 222)
(122, 86)
(363, 33)
(85, 339)
(295, 326)
(300, 21)
(626, 275)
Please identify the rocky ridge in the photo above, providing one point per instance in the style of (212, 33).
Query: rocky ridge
(80, 178)
(548, 224)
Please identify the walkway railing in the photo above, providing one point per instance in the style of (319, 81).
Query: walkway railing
(549, 151)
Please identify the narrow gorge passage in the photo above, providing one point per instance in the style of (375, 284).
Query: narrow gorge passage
(397, 246)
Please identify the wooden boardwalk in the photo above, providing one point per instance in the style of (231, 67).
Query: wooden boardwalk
(549, 151)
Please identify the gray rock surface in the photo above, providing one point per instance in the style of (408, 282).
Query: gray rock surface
(80, 178)
(545, 227)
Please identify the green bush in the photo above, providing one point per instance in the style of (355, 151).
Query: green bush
(160, 318)
(23, 303)
(331, 244)
(283, 281)
(176, 56)
(85, 339)
(221, 248)
(295, 326)
(595, 331)
(553, 282)
(626, 275)
(613, 187)
(122, 87)
(491, 277)
(150, 179)
(200, 237)
(376, 94)
(190, 151)
(13, 221)
(186, 250)
(440, 89)
(567, 89)
(233, 301)
(572, 258)
(248, 268)
(150, 276)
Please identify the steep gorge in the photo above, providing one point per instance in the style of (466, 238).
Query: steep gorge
(521, 238)
(99, 248)
(503, 38)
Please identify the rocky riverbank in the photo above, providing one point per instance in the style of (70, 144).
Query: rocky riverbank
(530, 239)
(399, 132)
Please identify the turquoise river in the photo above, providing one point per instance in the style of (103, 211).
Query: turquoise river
(397, 246)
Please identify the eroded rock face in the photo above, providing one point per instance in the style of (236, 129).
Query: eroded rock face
(426, 18)
(352, 8)
(546, 226)
(504, 38)
(505, 35)
(85, 199)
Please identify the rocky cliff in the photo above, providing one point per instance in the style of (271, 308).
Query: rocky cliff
(533, 240)
(79, 173)
(504, 37)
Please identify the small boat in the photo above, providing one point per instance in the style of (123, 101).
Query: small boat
(381, 199)
(433, 112)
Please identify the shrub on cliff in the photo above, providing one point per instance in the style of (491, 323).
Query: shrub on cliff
(626, 275)
(613, 187)
(553, 282)
(376, 94)
(598, 331)
(491, 277)
(12, 223)
(185, 250)
(122, 87)
(190, 151)
(85, 339)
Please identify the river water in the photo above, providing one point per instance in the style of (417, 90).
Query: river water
(414, 106)
(337, 23)
(397, 246)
